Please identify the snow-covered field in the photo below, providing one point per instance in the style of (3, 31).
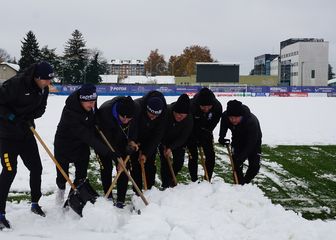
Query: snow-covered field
(194, 211)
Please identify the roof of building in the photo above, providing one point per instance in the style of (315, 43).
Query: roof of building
(16, 67)
(109, 78)
(149, 80)
(125, 62)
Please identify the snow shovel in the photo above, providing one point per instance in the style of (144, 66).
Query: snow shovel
(120, 161)
(203, 164)
(78, 196)
(235, 177)
(116, 178)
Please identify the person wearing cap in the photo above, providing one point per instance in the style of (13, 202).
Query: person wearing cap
(246, 139)
(115, 118)
(149, 117)
(179, 123)
(206, 110)
(23, 98)
(75, 134)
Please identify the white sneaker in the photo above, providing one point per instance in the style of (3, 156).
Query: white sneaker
(60, 196)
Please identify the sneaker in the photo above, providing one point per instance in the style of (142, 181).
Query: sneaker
(60, 196)
(4, 222)
(119, 205)
(35, 208)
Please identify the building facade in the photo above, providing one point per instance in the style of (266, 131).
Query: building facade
(8, 70)
(304, 62)
(125, 68)
(262, 64)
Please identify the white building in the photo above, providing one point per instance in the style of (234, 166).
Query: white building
(274, 67)
(304, 62)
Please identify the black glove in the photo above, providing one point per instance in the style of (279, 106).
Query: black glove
(224, 141)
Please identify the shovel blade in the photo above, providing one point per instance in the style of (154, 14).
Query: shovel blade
(78, 198)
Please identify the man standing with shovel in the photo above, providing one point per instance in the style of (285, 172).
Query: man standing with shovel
(115, 121)
(246, 139)
(179, 123)
(206, 110)
(75, 134)
(23, 98)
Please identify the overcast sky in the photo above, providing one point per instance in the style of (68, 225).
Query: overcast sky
(234, 31)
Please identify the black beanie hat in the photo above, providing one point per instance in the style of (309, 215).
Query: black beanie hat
(205, 97)
(126, 107)
(87, 93)
(182, 105)
(44, 71)
(155, 105)
(234, 108)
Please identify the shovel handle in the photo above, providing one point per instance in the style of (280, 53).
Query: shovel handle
(203, 164)
(52, 157)
(116, 178)
(235, 177)
(123, 167)
(143, 174)
(169, 161)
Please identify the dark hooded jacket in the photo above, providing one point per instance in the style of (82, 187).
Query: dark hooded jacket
(21, 97)
(76, 131)
(118, 134)
(176, 133)
(148, 133)
(246, 136)
(205, 122)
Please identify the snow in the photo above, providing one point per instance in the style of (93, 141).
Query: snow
(149, 80)
(194, 211)
(109, 78)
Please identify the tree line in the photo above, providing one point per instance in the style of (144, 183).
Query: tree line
(78, 64)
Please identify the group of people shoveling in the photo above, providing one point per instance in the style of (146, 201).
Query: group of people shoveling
(123, 132)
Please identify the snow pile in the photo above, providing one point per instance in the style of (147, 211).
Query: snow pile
(193, 211)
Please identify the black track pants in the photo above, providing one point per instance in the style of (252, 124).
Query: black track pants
(178, 160)
(252, 169)
(28, 151)
(209, 155)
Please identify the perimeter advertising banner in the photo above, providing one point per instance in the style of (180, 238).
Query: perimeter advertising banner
(174, 90)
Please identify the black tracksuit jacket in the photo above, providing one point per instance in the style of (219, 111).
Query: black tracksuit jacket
(76, 131)
(246, 136)
(21, 96)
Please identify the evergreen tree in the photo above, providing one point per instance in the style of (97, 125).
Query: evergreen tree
(75, 59)
(95, 67)
(50, 56)
(30, 52)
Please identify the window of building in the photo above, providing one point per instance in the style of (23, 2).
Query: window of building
(312, 74)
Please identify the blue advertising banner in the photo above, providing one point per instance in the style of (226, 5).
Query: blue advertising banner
(173, 90)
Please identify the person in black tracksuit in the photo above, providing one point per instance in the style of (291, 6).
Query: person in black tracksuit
(115, 120)
(76, 133)
(150, 122)
(179, 123)
(23, 98)
(246, 139)
(206, 110)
